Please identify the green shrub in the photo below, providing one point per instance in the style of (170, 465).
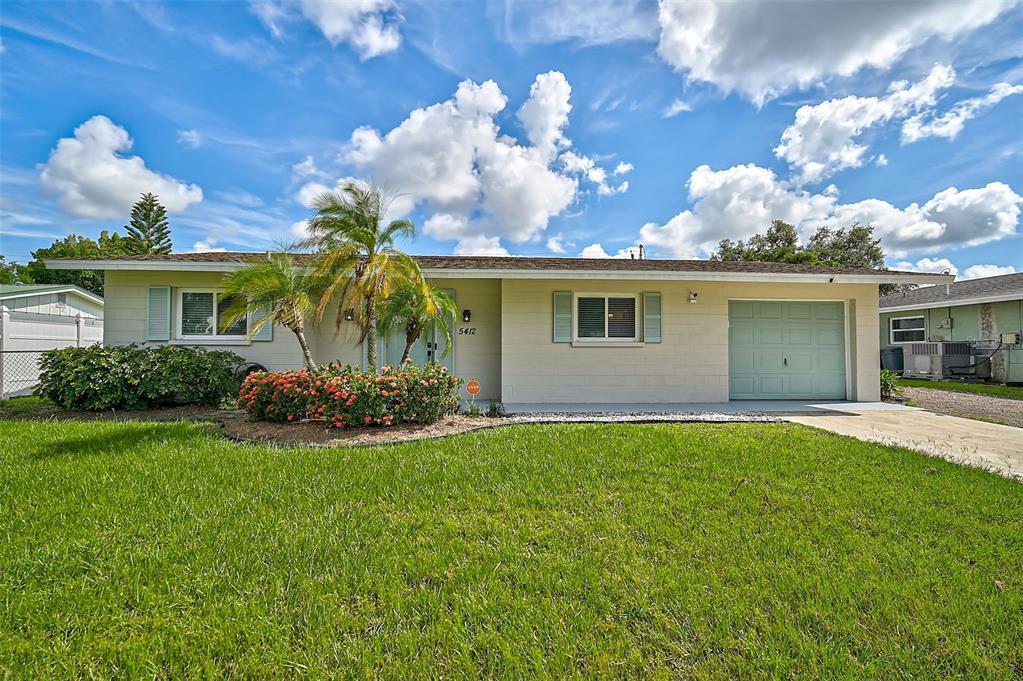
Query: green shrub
(132, 377)
(341, 395)
(889, 384)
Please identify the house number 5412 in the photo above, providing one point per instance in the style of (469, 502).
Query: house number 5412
(467, 331)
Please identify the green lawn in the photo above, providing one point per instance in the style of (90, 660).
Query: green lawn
(159, 549)
(991, 390)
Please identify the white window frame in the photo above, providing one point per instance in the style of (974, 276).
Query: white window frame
(605, 340)
(892, 330)
(216, 335)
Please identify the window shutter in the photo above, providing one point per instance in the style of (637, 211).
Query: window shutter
(158, 313)
(562, 316)
(265, 332)
(652, 317)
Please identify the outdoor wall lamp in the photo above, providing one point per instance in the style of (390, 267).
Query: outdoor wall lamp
(466, 316)
(692, 296)
(349, 315)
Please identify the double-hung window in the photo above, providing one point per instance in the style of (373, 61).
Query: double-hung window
(908, 329)
(605, 317)
(201, 315)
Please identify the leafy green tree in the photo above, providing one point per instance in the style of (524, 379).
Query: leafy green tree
(74, 247)
(277, 290)
(148, 226)
(358, 254)
(413, 307)
(852, 247)
(12, 272)
(780, 243)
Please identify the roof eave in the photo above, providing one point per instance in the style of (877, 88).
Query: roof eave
(486, 273)
(64, 289)
(975, 300)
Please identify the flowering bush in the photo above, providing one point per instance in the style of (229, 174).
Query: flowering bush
(341, 395)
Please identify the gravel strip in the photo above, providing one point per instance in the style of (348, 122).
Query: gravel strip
(1000, 410)
(640, 417)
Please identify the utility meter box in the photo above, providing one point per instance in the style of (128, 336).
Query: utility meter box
(945, 323)
(1011, 338)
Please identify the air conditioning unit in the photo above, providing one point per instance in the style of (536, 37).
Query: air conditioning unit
(934, 360)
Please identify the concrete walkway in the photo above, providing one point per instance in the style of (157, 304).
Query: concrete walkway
(973, 443)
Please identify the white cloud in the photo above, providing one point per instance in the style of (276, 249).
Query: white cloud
(675, 108)
(881, 160)
(740, 201)
(556, 244)
(950, 123)
(585, 166)
(981, 271)
(370, 27)
(92, 178)
(309, 191)
(300, 229)
(930, 265)
(623, 167)
(480, 245)
(592, 22)
(207, 246)
(821, 140)
(476, 181)
(190, 138)
(762, 48)
(597, 251)
(307, 168)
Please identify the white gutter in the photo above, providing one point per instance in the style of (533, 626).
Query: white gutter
(451, 273)
(953, 303)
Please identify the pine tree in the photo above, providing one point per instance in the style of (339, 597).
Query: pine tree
(149, 227)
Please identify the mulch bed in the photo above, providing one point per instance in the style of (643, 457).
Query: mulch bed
(317, 434)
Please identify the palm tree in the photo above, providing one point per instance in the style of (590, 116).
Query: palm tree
(277, 290)
(413, 307)
(359, 258)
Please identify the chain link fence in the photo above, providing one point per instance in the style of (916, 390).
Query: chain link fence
(19, 372)
(26, 335)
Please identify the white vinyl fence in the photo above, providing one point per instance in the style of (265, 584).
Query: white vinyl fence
(24, 336)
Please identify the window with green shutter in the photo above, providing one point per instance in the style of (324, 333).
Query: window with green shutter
(610, 317)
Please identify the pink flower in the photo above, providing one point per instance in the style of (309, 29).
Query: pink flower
(367, 420)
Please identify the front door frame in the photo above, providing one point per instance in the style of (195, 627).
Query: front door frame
(846, 331)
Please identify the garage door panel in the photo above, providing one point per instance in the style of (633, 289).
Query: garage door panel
(786, 350)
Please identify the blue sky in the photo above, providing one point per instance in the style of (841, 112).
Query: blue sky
(522, 128)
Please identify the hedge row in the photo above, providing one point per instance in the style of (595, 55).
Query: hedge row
(341, 395)
(131, 377)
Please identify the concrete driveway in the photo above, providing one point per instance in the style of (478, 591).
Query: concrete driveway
(973, 443)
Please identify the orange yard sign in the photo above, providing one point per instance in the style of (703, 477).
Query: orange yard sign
(472, 387)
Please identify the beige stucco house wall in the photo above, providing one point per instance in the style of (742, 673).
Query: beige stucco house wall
(690, 364)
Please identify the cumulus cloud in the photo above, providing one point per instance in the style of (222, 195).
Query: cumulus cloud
(207, 246)
(479, 184)
(738, 202)
(761, 48)
(190, 138)
(556, 244)
(587, 167)
(822, 139)
(597, 251)
(950, 123)
(92, 178)
(981, 271)
(929, 265)
(623, 167)
(307, 168)
(370, 27)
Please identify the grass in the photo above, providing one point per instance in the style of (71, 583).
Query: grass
(21, 406)
(988, 419)
(989, 389)
(146, 549)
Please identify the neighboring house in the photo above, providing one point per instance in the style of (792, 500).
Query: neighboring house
(971, 310)
(567, 330)
(34, 318)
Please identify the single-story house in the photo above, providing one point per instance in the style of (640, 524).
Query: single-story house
(971, 310)
(38, 317)
(567, 330)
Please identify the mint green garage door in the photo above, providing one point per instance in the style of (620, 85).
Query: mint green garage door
(786, 350)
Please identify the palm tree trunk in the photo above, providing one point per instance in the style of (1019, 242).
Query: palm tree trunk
(412, 334)
(371, 332)
(300, 334)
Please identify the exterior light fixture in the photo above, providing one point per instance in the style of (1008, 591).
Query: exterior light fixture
(692, 296)
(466, 316)
(349, 315)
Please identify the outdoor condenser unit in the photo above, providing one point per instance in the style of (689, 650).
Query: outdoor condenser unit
(940, 359)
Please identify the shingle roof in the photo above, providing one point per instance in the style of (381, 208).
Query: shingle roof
(970, 289)
(506, 263)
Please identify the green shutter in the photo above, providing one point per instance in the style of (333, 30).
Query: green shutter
(562, 316)
(158, 313)
(652, 317)
(265, 332)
